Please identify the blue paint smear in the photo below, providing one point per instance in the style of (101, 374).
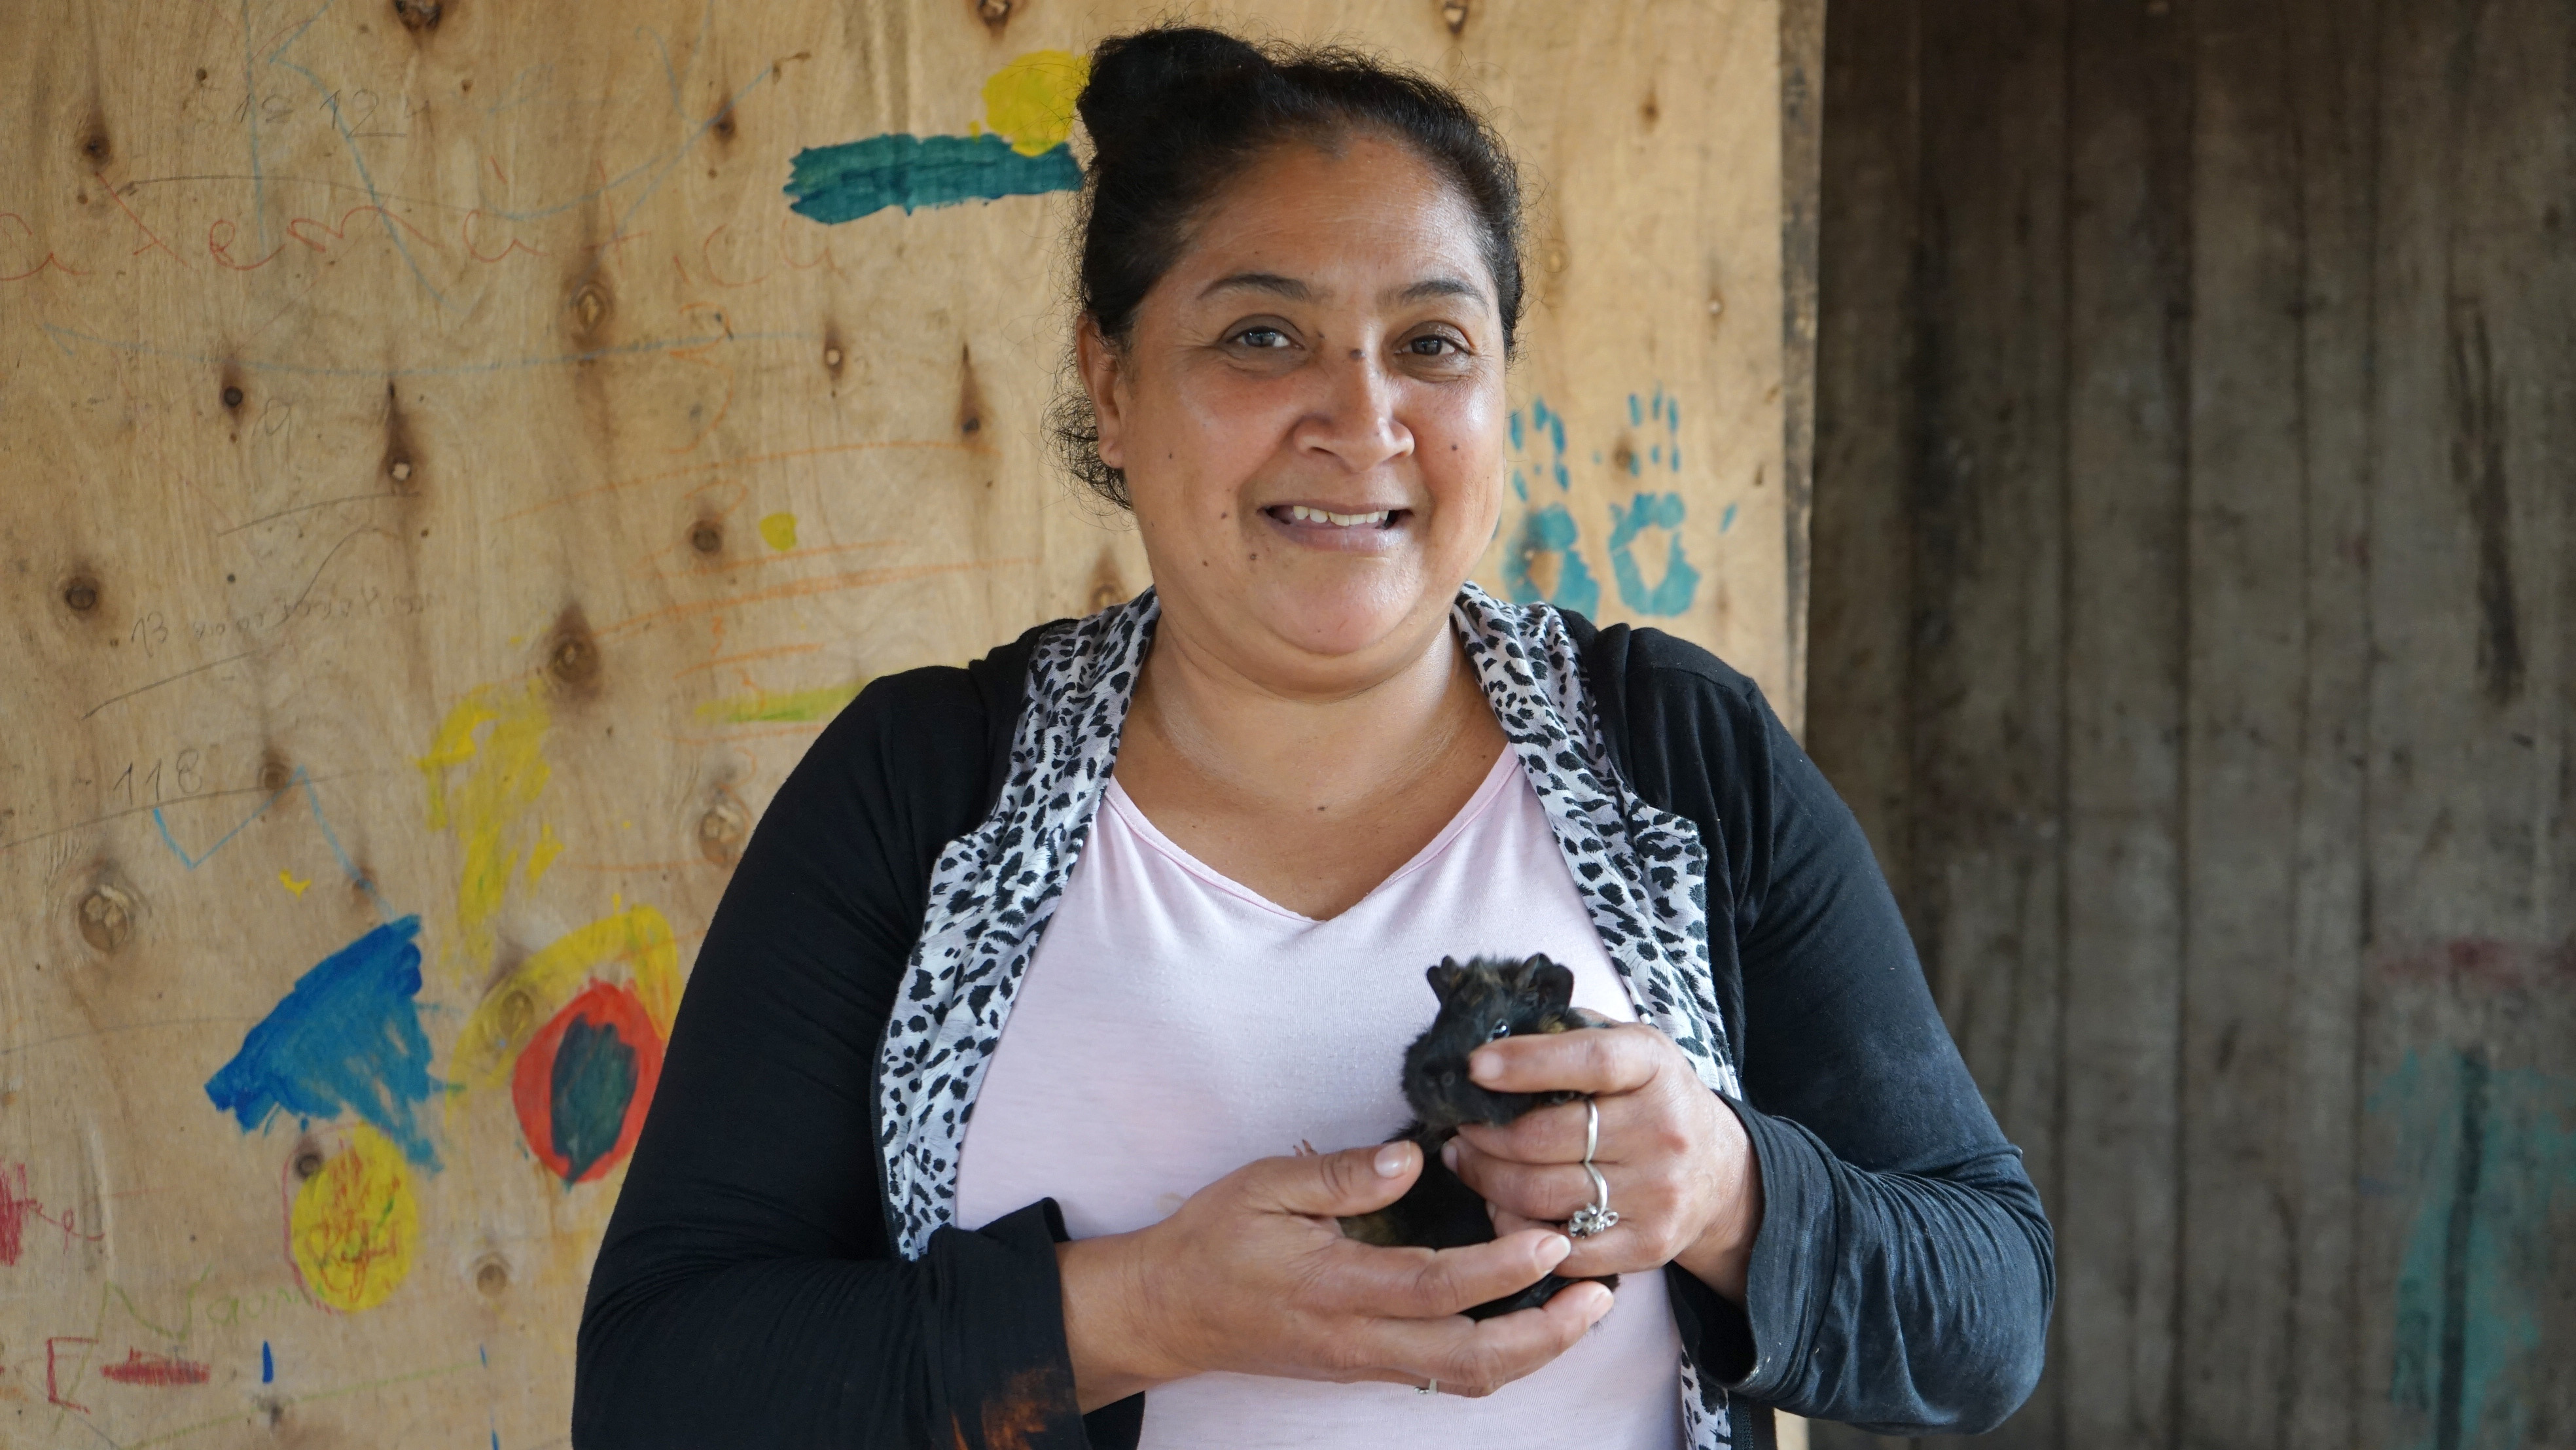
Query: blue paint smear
(1546, 531)
(1726, 520)
(267, 1365)
(2488, 1154)
(1673, 593)
(594, 1080)
(1516, 428)
(1635, 465)
(857, 178)
(1563, 481)
(1637, 415)
(347, 1038)
(1520, 488)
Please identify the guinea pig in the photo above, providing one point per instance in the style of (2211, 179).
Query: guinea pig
(1483, 1001)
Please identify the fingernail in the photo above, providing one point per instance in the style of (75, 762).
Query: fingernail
(1554, 1248)
(1483, 1069)
(1449, 1154)
(1390, 1160)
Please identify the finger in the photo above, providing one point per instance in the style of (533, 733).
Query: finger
(1540, 1191)
(1473, 1357)
(1603, 1060)
(1436, 1283)
(1634, 1127)
(1353, 1181)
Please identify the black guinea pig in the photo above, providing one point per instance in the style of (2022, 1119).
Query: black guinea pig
(1484, 1001)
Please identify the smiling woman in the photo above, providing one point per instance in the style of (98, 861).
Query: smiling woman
(986, 1119)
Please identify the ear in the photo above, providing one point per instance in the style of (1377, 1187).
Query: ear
(1096, 358)
(1549, 982)
(1444, 978)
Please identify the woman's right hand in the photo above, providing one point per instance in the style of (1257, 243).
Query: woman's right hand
(1253, 1275)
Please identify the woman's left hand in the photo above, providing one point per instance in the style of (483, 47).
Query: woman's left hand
(1682, 1175)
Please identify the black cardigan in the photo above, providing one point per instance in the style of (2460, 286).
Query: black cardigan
(746, 1292)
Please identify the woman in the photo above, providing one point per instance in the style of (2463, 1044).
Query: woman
(982, 1120)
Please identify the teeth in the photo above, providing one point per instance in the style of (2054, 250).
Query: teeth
(1299, 513)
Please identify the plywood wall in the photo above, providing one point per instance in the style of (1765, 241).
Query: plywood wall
(443, 488)
(2196, 632)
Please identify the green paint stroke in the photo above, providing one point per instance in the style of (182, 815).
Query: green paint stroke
(2487, 1151)
(845, 182)
(784, 707)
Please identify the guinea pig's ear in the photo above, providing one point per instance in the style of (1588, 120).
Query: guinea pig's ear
(1549, 982)
(1444, 978)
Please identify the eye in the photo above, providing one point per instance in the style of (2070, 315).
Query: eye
(1501, 1031)
(1432, 345)
(1261, 337)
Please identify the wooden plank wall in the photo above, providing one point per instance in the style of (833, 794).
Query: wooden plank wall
(444, 487)
(2195, 632)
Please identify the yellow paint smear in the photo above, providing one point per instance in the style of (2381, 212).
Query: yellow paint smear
(1029, 102)
(763, 706)
(504, 772)
(521, 1003)
(355, 1225)
(543, 853)
(779, 531)
(287, 880)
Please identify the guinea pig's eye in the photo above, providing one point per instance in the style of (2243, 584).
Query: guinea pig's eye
(1501, 1031)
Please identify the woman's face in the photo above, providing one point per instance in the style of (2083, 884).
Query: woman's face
(1309, 412)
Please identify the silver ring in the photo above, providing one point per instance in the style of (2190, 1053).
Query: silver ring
(1595, 1217)
(1432, 1388)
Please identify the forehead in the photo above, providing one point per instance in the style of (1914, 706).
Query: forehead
(1358, 215)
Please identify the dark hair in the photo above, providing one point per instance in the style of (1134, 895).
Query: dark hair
(1176, 112)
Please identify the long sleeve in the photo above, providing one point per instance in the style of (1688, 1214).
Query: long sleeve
(745, 1293)
(1904, 1272)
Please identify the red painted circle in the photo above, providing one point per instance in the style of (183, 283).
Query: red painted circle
(605, 1007)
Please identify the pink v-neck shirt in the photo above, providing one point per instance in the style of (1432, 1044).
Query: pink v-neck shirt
(1174, 1026)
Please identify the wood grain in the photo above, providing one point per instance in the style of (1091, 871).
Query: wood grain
(444, 488)
(2299, 319)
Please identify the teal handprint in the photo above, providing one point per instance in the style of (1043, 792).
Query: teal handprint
(1673, 593)
(1543, 564)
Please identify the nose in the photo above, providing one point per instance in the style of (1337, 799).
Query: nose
(1354, 420)
(1448, 1077)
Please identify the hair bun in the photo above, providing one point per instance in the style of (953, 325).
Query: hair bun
(1138, 80)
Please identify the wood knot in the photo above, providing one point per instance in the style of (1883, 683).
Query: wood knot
(106, 917)
(308, 1161)
(993, 12)
(80, 594)
(590, 307)
(574, 660)
(1453, 13)
(492, 1276)
(707, 537)
(232, 395)
(275, 775)
(399, 470)
(722, 829)
(723, 127)
(417, 15)
(95, 147)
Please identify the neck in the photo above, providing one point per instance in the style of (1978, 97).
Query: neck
(1318, 750)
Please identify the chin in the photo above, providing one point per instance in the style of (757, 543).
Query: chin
(1351, 616)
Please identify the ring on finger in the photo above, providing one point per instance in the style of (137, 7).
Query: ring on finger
(1432, 1388)
(1595, 1217)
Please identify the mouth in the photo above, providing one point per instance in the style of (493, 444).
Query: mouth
(1307, 515)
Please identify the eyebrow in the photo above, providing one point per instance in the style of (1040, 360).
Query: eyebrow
(1271, 282)
(1430, 287)
(1296, 291)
